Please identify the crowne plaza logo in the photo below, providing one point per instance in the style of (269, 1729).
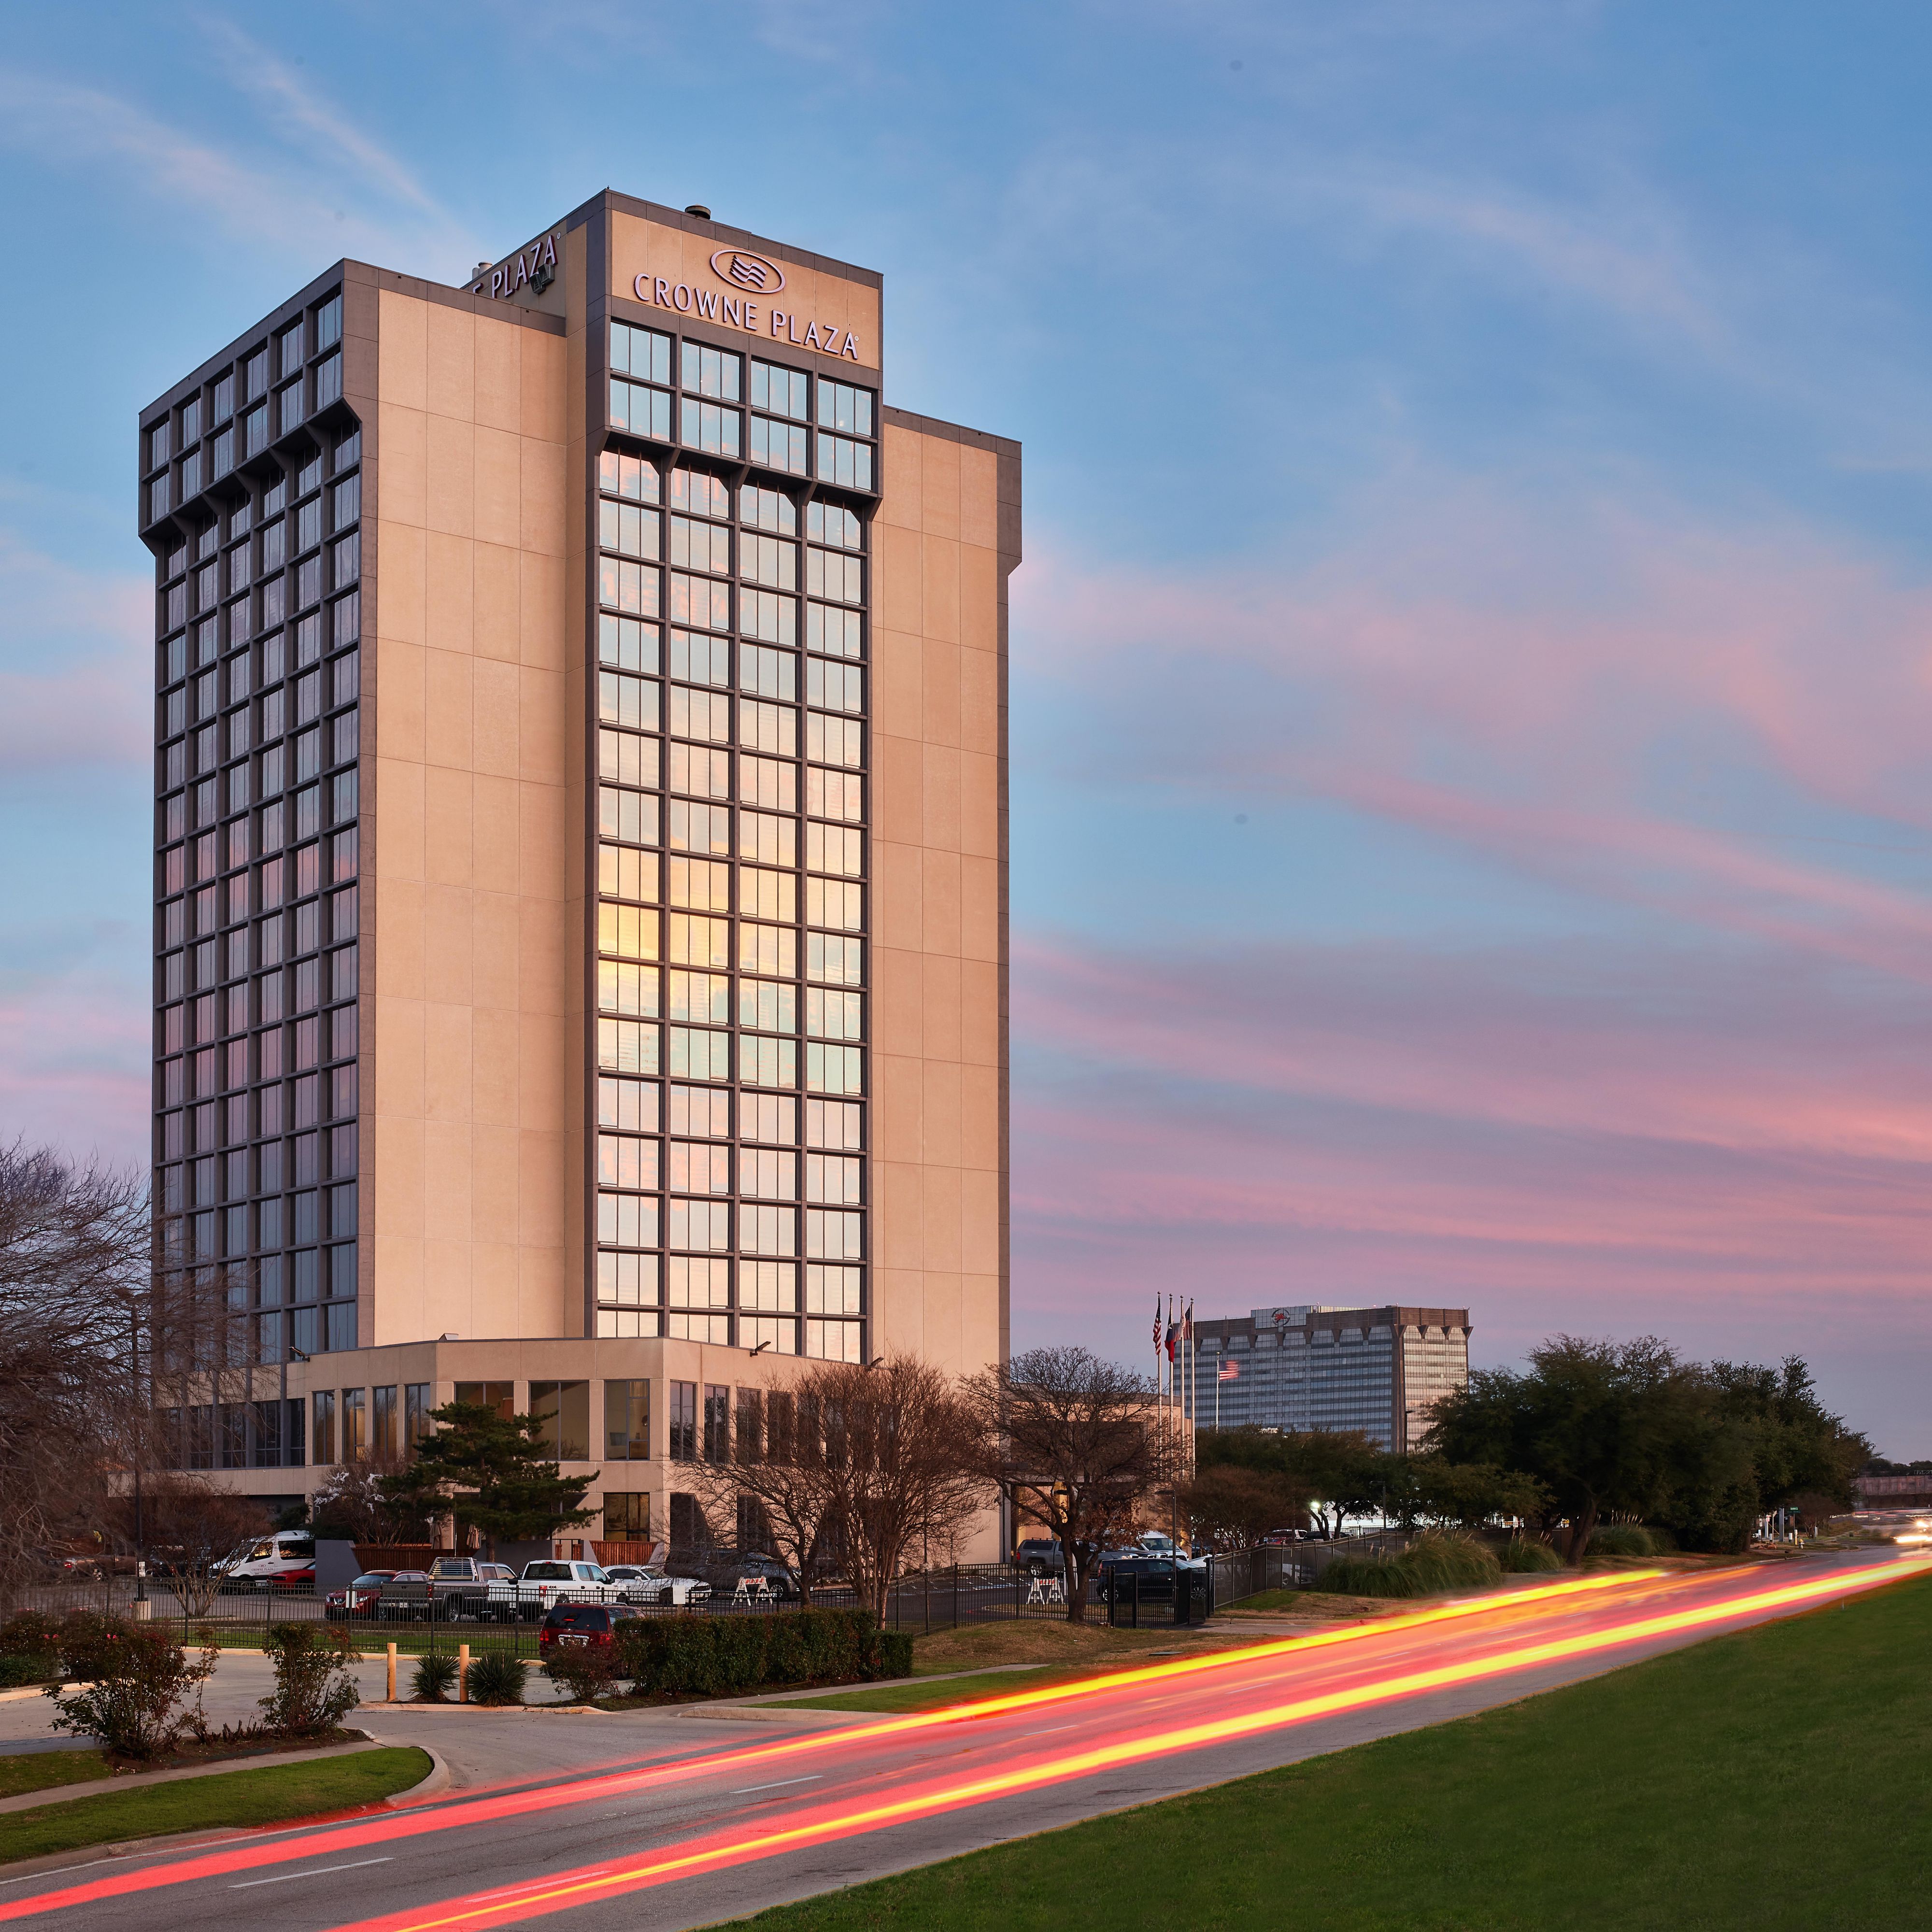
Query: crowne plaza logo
(757, 273)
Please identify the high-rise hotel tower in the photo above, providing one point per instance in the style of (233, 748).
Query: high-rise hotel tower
(580, 852)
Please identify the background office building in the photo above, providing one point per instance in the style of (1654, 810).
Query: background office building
(580, 852)
(1376, 1370)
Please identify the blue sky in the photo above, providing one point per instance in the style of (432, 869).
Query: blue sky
(1470, 676)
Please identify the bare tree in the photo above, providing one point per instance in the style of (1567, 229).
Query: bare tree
(789, 1489)
(869, 1463)
(1232, 1508)
(898, 1443)
(73, 1270)
(1075, 1443)
(193, 1526)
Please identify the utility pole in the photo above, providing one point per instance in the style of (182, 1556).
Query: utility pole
(142, 1413)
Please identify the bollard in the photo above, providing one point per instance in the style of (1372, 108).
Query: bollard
(462, 1673)
(392, 1673)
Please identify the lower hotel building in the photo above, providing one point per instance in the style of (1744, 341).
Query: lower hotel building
(1376, 1370)
(581, 855)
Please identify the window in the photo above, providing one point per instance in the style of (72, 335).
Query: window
(834, 1341)
(772, 510)
(642, 352)
(834, 848)
(622, 1161)
(628, 476)
(770, 840)
(847, 464)
(697, 1110)
(639, 411)
(771, 561)
(832, 574)
(701, 495)
(627, 1515)
(701, 1226)
(499, 1398)
(628, 528)
(417, 1404)
(834, 1123)
(696, 1167)
(832, 1290)
(768, 1173)
(834, 795)
(705, 997)
(562, 1412)
(695, 546)
(382, 1424)
(627, 1430)
(777, 445)
(682, 1444)
(631, 1105)
(752, 1533)
(841, 407)
(627, 1221)
(323, 1435)
(626, 644)
(782, 391)
(328, 323)
(717, 1423)
(715, 430)
(712, 372)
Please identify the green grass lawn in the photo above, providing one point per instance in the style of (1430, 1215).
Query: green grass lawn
(269, 1796)
(1780, 1781)
(23, 1771)
(1268, 1600)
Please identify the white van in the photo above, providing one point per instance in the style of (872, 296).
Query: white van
(280, 1561)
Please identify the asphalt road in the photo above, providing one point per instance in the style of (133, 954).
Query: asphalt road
(714, 1819)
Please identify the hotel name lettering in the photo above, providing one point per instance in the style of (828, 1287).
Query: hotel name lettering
(735, 312)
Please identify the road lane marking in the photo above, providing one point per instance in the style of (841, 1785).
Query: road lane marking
(313, 1871)
(745, 1791)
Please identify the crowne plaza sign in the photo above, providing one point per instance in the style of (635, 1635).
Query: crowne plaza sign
(740, 272)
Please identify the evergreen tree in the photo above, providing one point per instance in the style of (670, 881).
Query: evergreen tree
(496, 1473)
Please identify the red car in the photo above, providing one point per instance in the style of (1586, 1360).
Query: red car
(362, 1594)
(582, 1626)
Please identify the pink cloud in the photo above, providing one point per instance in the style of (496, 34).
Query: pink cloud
(1648, 710)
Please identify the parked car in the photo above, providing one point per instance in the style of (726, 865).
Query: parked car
(645, 1583)
(405, 1597)
(468, 1586)
(1155, 1576)
(262, 1562)
(360, 1596)
(754, 1568)
(582, 1627)
(1040, 1556)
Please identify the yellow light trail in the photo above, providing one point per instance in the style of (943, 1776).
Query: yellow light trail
(586, 1888)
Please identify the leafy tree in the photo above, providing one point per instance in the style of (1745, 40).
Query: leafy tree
(496, 1473)
(134, 1684)
(1229, 1507)
(1342, 1470)
(1075, 1443)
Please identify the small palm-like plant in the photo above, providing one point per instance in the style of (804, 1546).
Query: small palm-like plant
(497, 1678)
(434, 1677)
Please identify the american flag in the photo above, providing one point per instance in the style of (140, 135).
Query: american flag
(1230, 1372)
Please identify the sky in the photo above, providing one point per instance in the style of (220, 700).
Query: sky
(1471, 672)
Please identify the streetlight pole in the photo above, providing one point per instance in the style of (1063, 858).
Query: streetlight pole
(140, 1433)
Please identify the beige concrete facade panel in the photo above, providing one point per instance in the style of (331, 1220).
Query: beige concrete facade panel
(466, 875)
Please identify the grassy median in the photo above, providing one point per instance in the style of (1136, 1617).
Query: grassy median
(271, 1796)
(1778, 1781)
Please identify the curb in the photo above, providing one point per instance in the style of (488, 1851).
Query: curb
(438, 1780)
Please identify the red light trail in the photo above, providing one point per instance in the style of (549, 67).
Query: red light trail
(1612, 1625)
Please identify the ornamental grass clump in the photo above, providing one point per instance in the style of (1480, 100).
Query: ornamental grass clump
(1521, 1556)
(1620, 1539)
(1432, 1566)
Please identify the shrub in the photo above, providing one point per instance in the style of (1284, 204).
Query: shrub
(1620, 1539)
(30, 1649)
(726, 1657)
(583, 1672)
(497, 1678)
(140, 1678)
(1430, 1567)
(1520, 1557)
(313, 1690)
(434, 1677)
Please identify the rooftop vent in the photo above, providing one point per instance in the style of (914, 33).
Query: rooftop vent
(481, 269)
(698, 209)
